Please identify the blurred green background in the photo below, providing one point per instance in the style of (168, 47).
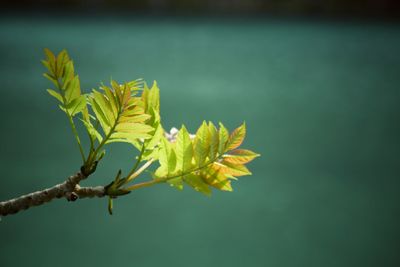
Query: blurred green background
(321, 102)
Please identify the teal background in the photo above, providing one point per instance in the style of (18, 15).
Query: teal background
(321, 102)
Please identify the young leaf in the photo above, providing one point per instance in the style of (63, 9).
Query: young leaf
(202, 144)
(61, 74)
(184, 151)
(197, 183)
(240, 156)
(223, 138)
(207, 160)
(55, 95)
(214, 140)
(236, 138)
(120, 114)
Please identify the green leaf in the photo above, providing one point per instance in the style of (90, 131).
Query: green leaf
(223, 138)
(167, 158)
(72, 89)
(156, 138)
(105, 106)
(197, 183)
(214, 140)
(77, 105)
(55, 95)
(223, 185)
(153, 100)
(184, 151)
(69, 72)
(61, 74)
(121, 116)
(104, 123)
(202, 144)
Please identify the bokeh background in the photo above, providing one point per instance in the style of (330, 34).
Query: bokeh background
(317, 83)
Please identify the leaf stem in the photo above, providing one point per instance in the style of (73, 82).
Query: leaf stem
(90, 162)
(71, 122)
(139, 171)
(165, 179)
(137, 161)
(145, 184)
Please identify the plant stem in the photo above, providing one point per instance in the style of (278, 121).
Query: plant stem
(164, 179)
(137, 161)
(68, 189)
(76, 137)
(71, 122)
(139, 171)
(145, 184)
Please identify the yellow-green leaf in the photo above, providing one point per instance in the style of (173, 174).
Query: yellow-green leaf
(72, 89)
(214, 140)
(197, 183)
(202, 144)
(223, 138)
(76, 105)
(55, 95)
(184, 150)
(231, 169)
(167, 156)
(105, 124)
(240, 156)
(223, 185)
(236, 138)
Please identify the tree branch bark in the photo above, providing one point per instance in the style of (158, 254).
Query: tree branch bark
(69, 189)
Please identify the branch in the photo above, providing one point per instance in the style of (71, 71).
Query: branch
(68, 189)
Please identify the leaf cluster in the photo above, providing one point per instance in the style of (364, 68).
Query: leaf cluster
(130, 113)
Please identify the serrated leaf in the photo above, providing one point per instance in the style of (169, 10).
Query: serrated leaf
(202, 144)
(184, 151)
(105, 107)
(72, 89)
(76, 105)
(133, 128)
(167, 158)
(197, 183)
(153, 100)
(62, 59)
(231, 169)
(156, 138)
(236, 137)
(111, 99)
(223, 138)
(92, 131)
(55, 95)
(240, 156)
(214, 140)
(127, 137)
(105, 124)
(223, 185)
(69, 72)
